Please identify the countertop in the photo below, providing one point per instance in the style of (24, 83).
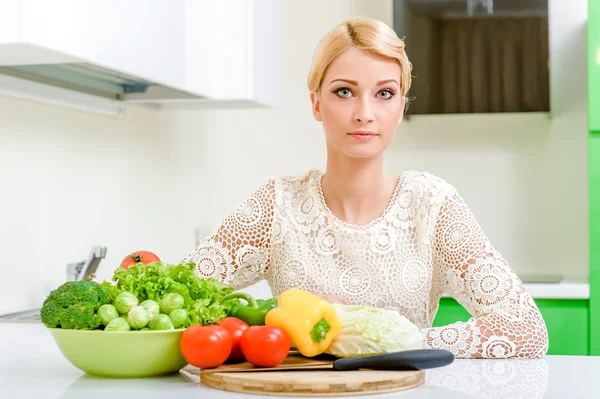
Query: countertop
(31, 366)
(560, 290)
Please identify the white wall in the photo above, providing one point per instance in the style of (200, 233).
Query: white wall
(71, 180)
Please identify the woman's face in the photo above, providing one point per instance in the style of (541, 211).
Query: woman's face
(360, 104)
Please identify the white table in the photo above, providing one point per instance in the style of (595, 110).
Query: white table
(31, 366)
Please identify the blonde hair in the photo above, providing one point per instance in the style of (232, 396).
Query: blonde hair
(366, 33)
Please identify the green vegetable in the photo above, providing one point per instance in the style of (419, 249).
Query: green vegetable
(107, 313)
(125, 301)
(152, 307)
(118, 324)
(112, 290)
(145, 329)
(179, 317)
(171, 302)
(73, 305)
(138, 317)
(254, 312)
(155, 280)
(161, 322)
(369, 331)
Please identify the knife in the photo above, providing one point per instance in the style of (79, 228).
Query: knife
(418, 359)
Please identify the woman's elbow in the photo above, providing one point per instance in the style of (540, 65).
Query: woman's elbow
(535, 336)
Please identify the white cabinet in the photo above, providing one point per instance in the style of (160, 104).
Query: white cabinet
(9, 21)
(236, 53)
(163, 54)
(147, 41)
(143, 37)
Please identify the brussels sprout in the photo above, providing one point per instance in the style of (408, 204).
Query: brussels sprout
(178, 317)
(138, 317)
(107, 313)
(125, 301)
(117, 324)
(145, 329)
(171, 302)
(161, 322)
(152, 307)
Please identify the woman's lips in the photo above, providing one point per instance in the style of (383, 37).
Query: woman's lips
(362, 135)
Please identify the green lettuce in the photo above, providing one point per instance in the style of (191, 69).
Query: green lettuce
(366, 331)
(155, 280)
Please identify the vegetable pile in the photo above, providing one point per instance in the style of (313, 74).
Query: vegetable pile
(300, 319)
(172, 287)
(147, 294)
(154, 296)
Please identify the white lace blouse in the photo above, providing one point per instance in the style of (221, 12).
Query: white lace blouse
(425, 244)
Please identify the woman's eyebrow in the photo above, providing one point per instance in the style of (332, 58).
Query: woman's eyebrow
(352, 82)
(382, 82)
(355, 83)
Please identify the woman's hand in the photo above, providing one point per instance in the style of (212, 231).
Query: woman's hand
(332, 298)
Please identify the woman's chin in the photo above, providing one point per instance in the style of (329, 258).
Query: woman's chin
(363, 153)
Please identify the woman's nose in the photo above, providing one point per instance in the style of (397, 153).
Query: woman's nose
(364, 112)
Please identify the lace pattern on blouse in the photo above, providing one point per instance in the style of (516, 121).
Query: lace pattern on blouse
(425, 244)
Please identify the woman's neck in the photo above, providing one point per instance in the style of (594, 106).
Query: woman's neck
(356, 191)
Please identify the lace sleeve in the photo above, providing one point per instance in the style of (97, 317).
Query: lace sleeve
(238, 253)
(506, 321)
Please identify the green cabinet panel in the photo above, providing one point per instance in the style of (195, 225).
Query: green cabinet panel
(567, 323)
(593, 42)
(594, 240)
(566, 320)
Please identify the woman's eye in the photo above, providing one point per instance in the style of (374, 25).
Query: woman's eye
(343, 92)
(385, 94)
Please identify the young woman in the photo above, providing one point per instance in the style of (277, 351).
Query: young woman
(356, 234)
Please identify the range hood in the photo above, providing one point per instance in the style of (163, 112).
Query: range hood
(85, 86)
(101, 55)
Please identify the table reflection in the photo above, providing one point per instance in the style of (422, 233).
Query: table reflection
(493, 379)
(489, 379)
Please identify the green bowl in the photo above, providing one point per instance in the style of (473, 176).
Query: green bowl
(121, 354)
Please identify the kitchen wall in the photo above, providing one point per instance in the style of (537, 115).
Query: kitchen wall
(71, 180)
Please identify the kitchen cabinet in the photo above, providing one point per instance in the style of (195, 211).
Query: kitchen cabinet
(186, 53)
(593, 44)
(233, 54)
(594, 65)
(566, 321)
(594, 240)
(148, 41)
(234, 51)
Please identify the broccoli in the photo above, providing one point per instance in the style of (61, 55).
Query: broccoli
(73, 305)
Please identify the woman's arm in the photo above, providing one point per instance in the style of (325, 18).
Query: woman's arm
(506, 321)
(238, 253)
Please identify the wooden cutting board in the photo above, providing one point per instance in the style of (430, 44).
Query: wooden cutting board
(284, 381)
(315, 382)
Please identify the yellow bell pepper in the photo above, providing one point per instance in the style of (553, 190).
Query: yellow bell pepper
(311, 322)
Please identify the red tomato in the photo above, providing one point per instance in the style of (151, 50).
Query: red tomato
(205, 346)
(265, 346)
(236, 328)
(139, 256)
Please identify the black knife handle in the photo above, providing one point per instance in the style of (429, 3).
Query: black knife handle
(406, 360)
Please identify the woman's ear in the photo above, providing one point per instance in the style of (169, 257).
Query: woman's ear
(315, 99)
